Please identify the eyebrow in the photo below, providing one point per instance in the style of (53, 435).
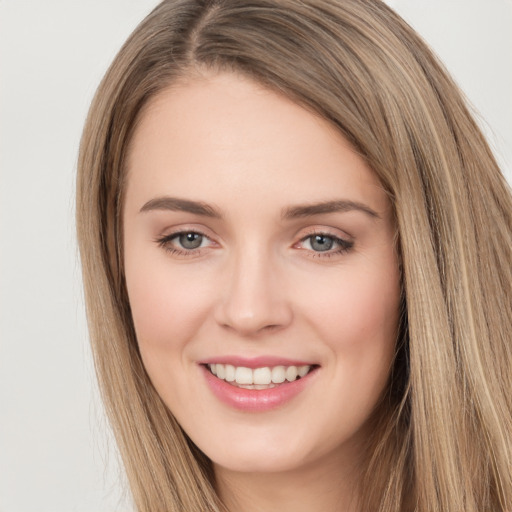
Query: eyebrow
(181, 205)
(292, 212)
(342, 205)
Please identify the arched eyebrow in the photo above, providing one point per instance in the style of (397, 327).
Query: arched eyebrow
(308, 210)
(181, 205)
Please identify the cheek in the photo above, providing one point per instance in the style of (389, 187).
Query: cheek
(167, 305)
(358, 307)
(357, 318)
(168, 308)
(363, 348)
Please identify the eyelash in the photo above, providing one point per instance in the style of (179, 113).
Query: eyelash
(344, 246)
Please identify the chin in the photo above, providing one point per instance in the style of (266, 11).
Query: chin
(258, 462)
(268, 452)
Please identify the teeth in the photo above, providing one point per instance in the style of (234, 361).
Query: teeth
(259, 378)
(230, 373)
(242, 375)
(256, 386)
(262, 376)
(291, 373)
(303, 370)
(278, 374)
(221, 371)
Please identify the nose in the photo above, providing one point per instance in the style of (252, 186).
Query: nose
(255, 298)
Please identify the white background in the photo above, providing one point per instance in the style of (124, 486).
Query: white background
(54, 454)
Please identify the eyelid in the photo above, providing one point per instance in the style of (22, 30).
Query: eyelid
(326, 231)
(170, 231)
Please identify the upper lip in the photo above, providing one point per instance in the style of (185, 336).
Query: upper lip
(255, 362)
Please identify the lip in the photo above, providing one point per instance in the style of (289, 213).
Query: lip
(256, 362)
(256, 400)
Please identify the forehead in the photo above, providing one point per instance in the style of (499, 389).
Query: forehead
(224, 134)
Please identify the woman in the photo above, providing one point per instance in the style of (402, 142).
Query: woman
(296, 248)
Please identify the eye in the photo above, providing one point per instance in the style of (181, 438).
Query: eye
(189, 240)
(325, 243)
(184, 243)
(321, 242)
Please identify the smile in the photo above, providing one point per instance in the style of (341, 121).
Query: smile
(258, 378)
(258, 386)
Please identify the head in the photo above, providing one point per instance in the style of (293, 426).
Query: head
(361, 70)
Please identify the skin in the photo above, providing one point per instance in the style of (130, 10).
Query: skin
(258, 286)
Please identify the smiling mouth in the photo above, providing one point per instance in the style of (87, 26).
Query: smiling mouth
(259, 378)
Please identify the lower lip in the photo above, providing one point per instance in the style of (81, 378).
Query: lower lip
(256, 400)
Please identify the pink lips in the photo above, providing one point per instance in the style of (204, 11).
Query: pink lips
(255, 400)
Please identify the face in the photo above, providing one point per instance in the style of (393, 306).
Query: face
(261, 272)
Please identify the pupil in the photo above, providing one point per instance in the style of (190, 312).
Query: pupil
(322, 243)
(191, 240)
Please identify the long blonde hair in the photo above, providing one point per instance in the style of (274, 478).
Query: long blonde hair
(443, 429)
